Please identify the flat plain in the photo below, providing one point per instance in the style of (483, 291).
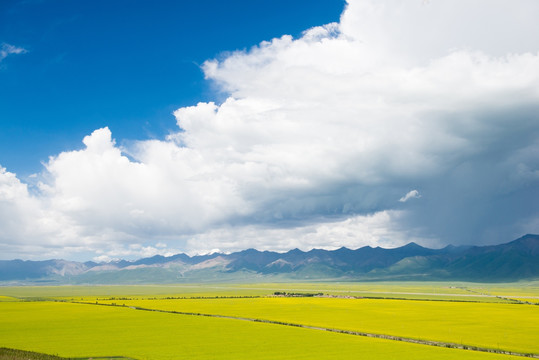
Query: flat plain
(249, 320)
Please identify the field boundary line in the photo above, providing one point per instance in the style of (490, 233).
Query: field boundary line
(340, 331)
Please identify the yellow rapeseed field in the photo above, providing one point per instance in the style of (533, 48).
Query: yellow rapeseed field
(78, 330)
(82, 330)
(499, 326)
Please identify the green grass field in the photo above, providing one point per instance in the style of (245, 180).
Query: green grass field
(87, 330)
(407, 290)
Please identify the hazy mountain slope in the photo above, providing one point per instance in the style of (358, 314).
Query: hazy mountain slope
(514, 260)
(518, 259)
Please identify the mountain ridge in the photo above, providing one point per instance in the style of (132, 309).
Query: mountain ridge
(512, 261)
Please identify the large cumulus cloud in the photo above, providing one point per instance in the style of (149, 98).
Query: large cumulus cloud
(397, 96)
(320, 137)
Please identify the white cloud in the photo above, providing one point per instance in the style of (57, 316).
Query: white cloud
(132, 251)
(8, 49)
(413, 194)
(170, 190)
(103, 258)
(378, 229)
(318, 137)
(414, 32)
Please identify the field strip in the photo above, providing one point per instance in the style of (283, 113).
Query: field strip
(340, 331)
(474, 294)
(505, 297)
(102, 357)
(521, 297)
(342, 291)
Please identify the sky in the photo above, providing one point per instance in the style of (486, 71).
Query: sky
(134, 128)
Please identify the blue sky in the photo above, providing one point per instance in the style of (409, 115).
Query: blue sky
(123, 64)
(130, 128)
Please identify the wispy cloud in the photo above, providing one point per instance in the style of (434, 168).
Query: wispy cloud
(7, 50)
(414, 194)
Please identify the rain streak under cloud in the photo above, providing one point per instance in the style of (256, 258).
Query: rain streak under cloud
(405, 121)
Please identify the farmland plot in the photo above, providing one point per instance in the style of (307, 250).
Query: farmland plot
(89, 329)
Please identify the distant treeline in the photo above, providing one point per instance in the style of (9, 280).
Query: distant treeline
(295, 294)
(181, 297)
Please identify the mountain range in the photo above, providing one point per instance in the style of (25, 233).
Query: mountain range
(513, 261)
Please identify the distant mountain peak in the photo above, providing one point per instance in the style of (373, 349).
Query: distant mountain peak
(527, 238)
(413, 244)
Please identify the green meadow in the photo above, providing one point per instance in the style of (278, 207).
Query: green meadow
(106, 321)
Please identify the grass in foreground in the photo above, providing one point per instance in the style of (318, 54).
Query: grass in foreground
(12, 354)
